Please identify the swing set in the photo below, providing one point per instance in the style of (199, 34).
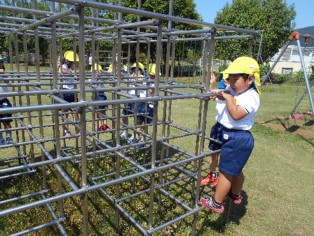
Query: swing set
(296, 36)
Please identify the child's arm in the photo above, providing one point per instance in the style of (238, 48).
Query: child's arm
(236, 112)
(2, 70)
(213, 81)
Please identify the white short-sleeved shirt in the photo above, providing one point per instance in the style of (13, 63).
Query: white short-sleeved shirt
(140, 92)
(70, 71)
(249, 100)
(3, 89)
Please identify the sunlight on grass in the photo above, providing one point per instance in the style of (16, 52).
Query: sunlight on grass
(278, 197)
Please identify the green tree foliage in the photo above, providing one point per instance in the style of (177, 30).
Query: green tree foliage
(181, 8)
(43, 42)
(274, 17)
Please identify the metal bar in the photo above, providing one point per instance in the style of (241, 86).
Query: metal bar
(266, 77)
(23, 197)
(44, 21)
(98, 186)
(154, 15)
(308, 86)
(38, 227)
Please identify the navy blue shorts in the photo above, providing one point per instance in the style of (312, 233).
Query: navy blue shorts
(128, 109)
(144, 112)
(216, 133)
(237, 146)
(69, 97)
(5, 103)
(102, 97)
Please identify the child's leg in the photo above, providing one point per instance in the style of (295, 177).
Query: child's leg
(7, 127)
(101, 119)
(1, 137)
(237, 183)
(214, 162)
(65, 126)
(223, 187)
(140, 129)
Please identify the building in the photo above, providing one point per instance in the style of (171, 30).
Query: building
(290, 60)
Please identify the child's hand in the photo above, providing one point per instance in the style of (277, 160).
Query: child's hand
(217, 93)
(225, 95)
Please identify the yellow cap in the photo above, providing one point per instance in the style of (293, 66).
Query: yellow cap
(69, 55)
(225, 75)
(152, 69)
(97, 67)
(246, 65)
(140, 66)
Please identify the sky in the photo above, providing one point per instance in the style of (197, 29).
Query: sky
(304, 10)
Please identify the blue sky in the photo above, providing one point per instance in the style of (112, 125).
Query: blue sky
(304, 9)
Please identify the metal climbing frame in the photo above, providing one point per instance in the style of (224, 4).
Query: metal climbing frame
(94, 180)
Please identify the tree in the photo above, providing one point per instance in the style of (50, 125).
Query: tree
(181, 8)
(274, 17)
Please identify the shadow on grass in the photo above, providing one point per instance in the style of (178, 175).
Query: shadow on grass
(293, 128)
(232, 215)
(309, 123)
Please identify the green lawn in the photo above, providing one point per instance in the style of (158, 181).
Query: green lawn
(278, 191)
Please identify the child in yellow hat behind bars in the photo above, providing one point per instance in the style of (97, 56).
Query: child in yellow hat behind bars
(236, 109)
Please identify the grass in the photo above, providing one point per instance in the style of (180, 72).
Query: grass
(278, 189)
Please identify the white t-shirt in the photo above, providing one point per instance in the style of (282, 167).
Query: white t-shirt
(249, 100)
(3, 90)
(140, 92)
(70, 72)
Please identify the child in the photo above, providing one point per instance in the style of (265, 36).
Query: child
(102, 97)
(5, 103)
(67, 69)
(137, 72)
(213, 176)
(151, 83)
(147, 109)
(236, 110)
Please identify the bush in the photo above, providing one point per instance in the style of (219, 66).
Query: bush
(280, 78)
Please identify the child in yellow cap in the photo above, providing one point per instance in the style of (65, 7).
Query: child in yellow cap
(67, 69)
(137, 77)
(211, 179)
(101, 96)
(4, 104)
(236, 110)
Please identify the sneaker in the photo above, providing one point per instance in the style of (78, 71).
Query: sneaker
(140, 146)
(123, 135)
(2, 142)
(67, 133)
(211, 204)
(9, 140)
(131, 140)
(104, 127)
(214, 183)
(237, 199)
(211, 178)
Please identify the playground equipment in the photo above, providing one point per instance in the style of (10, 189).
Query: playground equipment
(93, 177)
(295, 36)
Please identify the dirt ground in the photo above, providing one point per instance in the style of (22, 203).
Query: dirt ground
(302, 125)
